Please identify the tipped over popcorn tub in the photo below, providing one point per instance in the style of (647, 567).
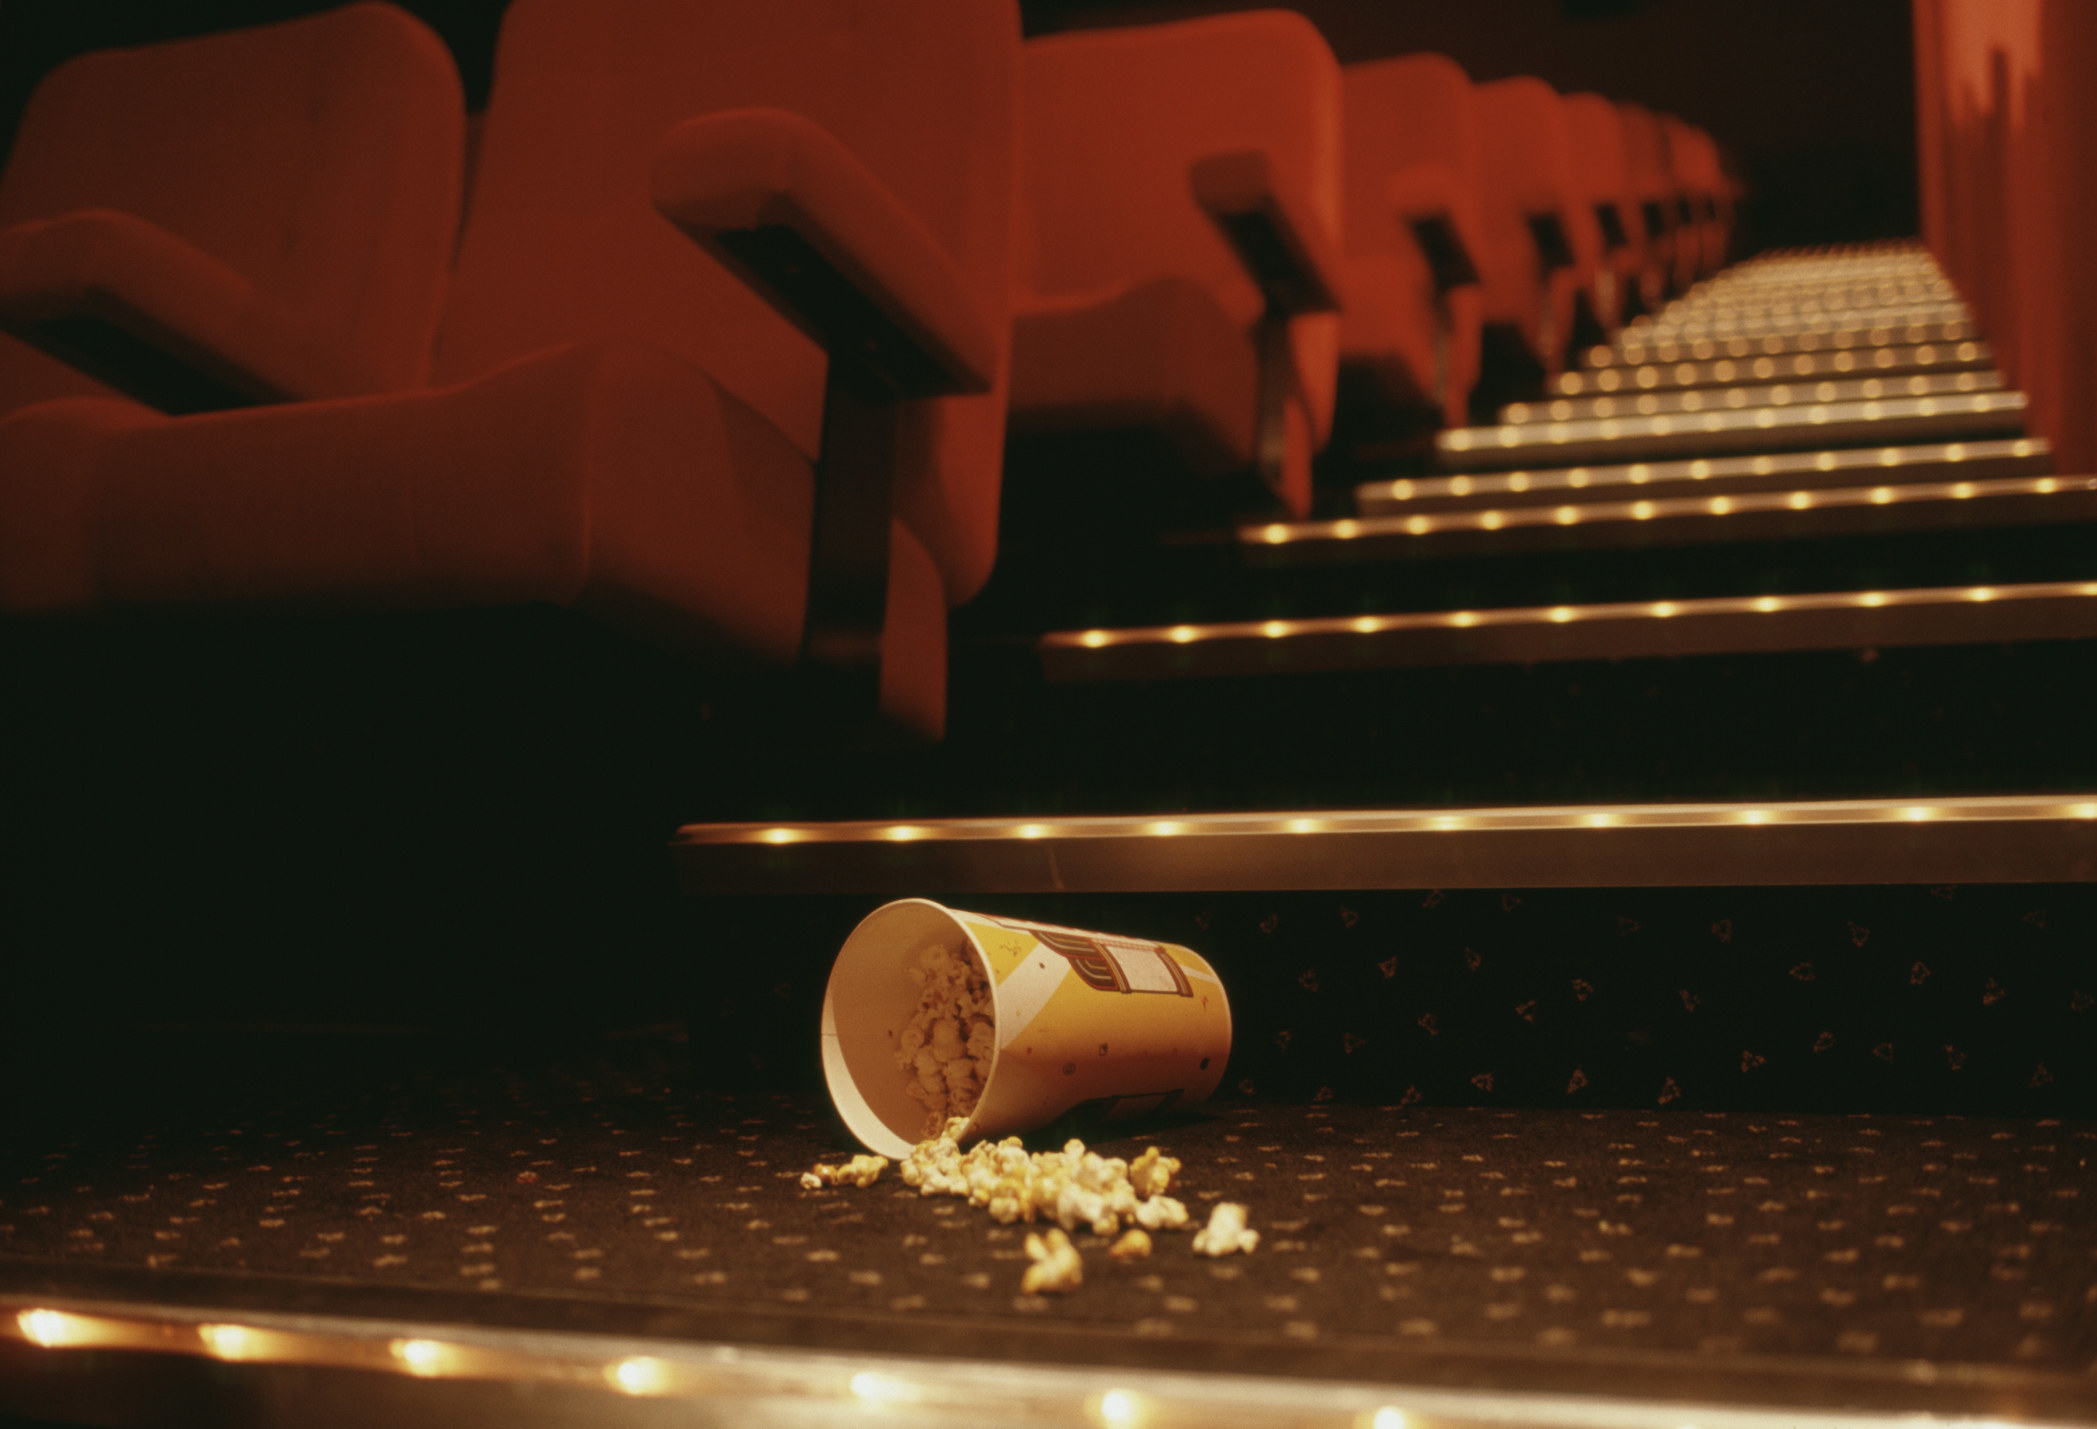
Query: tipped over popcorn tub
(934, 1013)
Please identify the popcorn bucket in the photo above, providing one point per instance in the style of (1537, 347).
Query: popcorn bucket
(1112, 1026)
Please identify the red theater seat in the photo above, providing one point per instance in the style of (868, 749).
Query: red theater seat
(1413, 306)
(1602, 168)
(261, 216)
(1180, 201)
(678, 210)
(1645, 157)
(1701, 184)
(1542, 247)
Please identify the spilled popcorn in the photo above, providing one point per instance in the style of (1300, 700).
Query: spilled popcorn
(1225, 1232)
(1074, 1189)
(860, 1171)
(1056, 1269)
(948, 1045)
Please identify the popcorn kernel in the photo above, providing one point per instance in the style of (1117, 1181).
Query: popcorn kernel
(861, 1171)
(945, 1051)
(1225, 1233)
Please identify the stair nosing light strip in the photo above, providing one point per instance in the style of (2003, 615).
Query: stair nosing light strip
(1772, 624)
(2044, 838)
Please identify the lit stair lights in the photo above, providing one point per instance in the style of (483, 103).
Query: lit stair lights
(1719, 364)
(1840, 620)
(1757, 323)
(1707, 476)
(1890, 419)
(2049, 838)
(1803, 511)
(1631, 353)
(1719, 296)
(328, 1365)
(1774, 394)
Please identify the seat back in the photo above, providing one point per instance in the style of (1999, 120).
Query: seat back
(1412, 130)
(1409, 112)
(563, 244)
(1114, 120)
(1645, 162)
(1529, 190)
(319, 159)
(1603, 170)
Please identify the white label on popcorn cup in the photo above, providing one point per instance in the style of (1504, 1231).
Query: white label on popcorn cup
(1118, 1026)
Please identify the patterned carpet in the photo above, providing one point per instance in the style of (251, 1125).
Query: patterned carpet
(1720, 1236)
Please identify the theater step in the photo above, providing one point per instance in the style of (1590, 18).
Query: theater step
(1708, 476)
(1800, 513)
(1631, 351)
(1840, 620)
(1714, 364)
(1874, 421)
(2050, 838)
(1771, 394)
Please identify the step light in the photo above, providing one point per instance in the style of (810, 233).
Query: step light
(1695, 433)
(2042, 838)
(1779, 394)
(2021, 456)
(1675, 520)
(1714, 364)
(1631, 354)
(1614, 630)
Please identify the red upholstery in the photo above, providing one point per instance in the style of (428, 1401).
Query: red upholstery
(1114, 123)
(1161, 355)
(1645, 156)
(1693, 160)
(582, 475)
(752, 168)
(2007, 134)
(1412, 159)
(1528, 178)
(1678, 156)
(1603, 171)
(618, 423)
(273, 207)
(562, 247)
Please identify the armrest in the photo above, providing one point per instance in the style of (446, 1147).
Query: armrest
(1442, 216)
(794, 214)
(133, 305)
(1269, 223)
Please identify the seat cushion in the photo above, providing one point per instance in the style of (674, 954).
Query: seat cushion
(1387, 330)
(614, 477)
(1161, 355)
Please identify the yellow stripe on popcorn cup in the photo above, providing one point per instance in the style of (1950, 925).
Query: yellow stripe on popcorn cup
(1114, 1026)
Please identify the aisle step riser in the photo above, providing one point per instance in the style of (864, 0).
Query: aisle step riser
(1878, 423)
(1786, 471)
(2047, 839)
(1733, 399)
(1629, 630)
(1755, 325)
(1718, 368)
(1909, 335)
(1751, 516)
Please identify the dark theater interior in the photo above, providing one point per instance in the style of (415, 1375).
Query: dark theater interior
(942, 712)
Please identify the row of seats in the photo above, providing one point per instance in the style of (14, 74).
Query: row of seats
(713, 322)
